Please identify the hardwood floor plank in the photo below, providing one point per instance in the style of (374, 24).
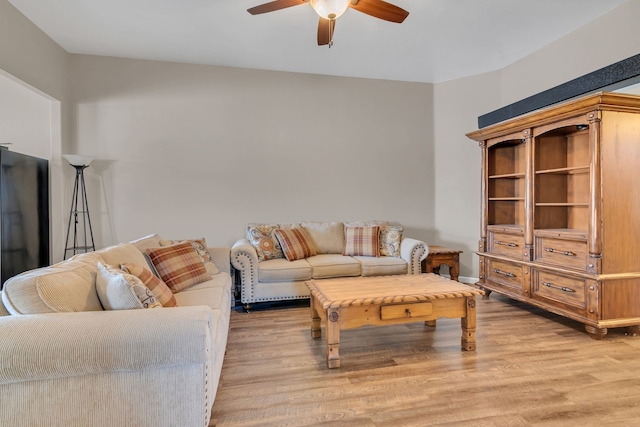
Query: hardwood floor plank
(531, 368)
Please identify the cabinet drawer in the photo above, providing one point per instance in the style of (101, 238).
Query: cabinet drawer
(507, 274)
(559, 288)
(561, 253)
(510, 245)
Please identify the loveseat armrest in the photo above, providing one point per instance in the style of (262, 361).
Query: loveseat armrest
(55, 363)
(414, 252)
(244, 258)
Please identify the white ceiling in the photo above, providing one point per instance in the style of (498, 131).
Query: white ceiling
(440, 40)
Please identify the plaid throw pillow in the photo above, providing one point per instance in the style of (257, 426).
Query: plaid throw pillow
(200, 245)
(157, 287)
(179, 265)
(361, 241)
(296, 243)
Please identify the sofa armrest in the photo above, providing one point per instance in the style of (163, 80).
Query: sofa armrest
(55, 366)
(244, 258)
(98, 342)
(413, 251)
(221, 257)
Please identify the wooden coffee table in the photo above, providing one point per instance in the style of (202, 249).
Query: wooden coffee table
(348, 303)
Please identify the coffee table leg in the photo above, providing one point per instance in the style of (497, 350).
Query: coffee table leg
(333, 338)
(316, 331)
(469, 325)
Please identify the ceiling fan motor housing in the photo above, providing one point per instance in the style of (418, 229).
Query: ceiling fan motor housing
(330, 9)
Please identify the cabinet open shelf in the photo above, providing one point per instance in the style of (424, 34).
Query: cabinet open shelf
(586, 204)
(508, 176)
(569, 170)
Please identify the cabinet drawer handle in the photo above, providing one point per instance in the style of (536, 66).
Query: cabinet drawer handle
(500, 242)
(561, 288)
(567, 253)
(504, 273)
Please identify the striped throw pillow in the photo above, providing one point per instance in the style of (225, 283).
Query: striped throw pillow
(155, 285)
(179, 266)
(361, 241)
(295, 243)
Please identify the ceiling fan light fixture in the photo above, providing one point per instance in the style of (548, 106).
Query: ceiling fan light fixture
(330, 9)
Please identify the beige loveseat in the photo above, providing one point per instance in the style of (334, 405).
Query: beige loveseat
(266, 274)
(64, 361)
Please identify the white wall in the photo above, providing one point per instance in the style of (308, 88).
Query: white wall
(186, 150)
(608, 39)
(40, 69)
(457, 105)
(611, 38)
(25, 119)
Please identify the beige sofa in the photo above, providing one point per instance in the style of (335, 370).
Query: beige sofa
(265, 274)
(64, 361)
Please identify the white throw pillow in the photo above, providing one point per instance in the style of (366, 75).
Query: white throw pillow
(118, 290)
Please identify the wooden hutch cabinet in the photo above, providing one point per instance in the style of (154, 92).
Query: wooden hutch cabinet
(560, 214)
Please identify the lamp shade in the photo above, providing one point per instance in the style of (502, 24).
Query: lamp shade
(330, 9)
(78, 160)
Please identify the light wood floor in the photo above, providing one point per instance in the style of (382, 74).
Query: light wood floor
(531, 368)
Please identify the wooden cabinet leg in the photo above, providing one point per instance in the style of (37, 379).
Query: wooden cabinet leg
(595, 333)
(633, 331)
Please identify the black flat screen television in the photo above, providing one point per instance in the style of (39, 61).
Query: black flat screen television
(24, 210)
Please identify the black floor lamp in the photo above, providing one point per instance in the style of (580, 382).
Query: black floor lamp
(79, 214)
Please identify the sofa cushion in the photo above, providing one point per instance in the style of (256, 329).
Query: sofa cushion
(330, 265)
(390, 238)
(295, 243)
(382, 266)
(361, 241)
(3, 309)
(200, 245)
(212, 297)
(327, 236)
(199, 294)
(119, 254)
(179, 265)
(279, 270)
(157, 287)
(366, 223)
(118, 290)
(67, 286)
(147, 242)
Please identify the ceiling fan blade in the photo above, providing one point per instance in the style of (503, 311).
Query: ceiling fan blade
(275, 5)
(325, 31)
(380, 9)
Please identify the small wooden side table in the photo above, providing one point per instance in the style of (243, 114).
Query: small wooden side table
(439, 255)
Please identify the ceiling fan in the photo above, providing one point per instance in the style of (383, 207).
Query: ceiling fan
(330, 10)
